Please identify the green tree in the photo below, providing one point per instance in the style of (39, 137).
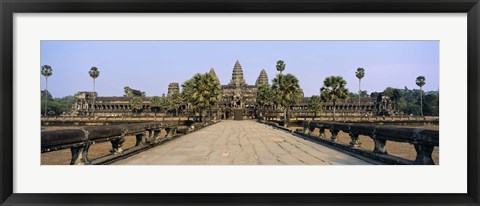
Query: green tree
(155, 104)
(397, 96)
(137, 104)
(420, 81)
(315, 104)
(431, 103)
(334, 90)
(64, 104)
(57, 106)
(203, 91)
(360, 73)
(94, 73)
(165, 104)
(280, 66)
(287, 89)
(408, 101)
(177, 100)
(363, 93)
(46, 72)
(264, 96)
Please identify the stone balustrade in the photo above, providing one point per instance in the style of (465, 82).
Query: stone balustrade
(360, 119)
(424, 140)
(79, 140)
(87, 120)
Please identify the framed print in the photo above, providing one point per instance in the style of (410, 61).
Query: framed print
(263, 102)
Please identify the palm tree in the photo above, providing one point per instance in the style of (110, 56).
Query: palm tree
(177, 100)
(202, 91)
(334, 90)
(137, 104)
(155, 104)
(264, 96)
(360, 73)
(420, 82)
(315, 104)
(165, 104)
(280, 66)
(287, 89)
(94, 73)
(46, 72)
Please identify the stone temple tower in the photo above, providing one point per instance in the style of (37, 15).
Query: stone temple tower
(237, 75)
(173, 88)
(262, 78)
(212, 72)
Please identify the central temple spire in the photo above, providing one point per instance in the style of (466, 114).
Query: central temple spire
(237, 75)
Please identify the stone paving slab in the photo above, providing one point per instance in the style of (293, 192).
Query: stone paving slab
(241, 143)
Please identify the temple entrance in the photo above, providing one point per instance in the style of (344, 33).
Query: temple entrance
(238, 114)
(227, 115)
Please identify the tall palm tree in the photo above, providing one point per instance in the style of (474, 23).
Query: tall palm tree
(315, 104)
(360, 73)
(203, 91)
(46, 72)
(137, 104)
(264, 96)
(94, 73)
(420, 82)
(287, 88)
(334, 90)
(280, 66)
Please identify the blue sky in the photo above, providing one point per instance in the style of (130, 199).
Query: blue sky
(151, 65)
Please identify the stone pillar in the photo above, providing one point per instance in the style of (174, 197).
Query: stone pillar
(379, 146)
(424, 154)
(306, 130)
(168, 132)
(334, 132)
(140, 139)
(80, 155)
(117, 145)
(354, 137)
(156, 135)
(322, 132)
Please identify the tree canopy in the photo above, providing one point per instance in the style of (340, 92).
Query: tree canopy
(280, 66)
(136, 103)
(94, 72)
(334, 89)
(57, 106)
(202, 91)
(360, 73)
(264, 95)
(46, 70)
(287, 89)
(315, 103)
(407, 101)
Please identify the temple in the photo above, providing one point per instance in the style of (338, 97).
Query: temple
(238, 98)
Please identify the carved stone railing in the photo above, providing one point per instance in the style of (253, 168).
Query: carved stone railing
(79, 140)
(423, 140)
(74, 120)
(358, 119)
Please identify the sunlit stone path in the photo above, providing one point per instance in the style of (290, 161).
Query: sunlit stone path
(241, 143)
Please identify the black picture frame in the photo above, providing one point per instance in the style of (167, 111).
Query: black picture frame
(10, 7)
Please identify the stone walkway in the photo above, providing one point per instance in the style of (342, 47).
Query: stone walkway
(241, 143)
